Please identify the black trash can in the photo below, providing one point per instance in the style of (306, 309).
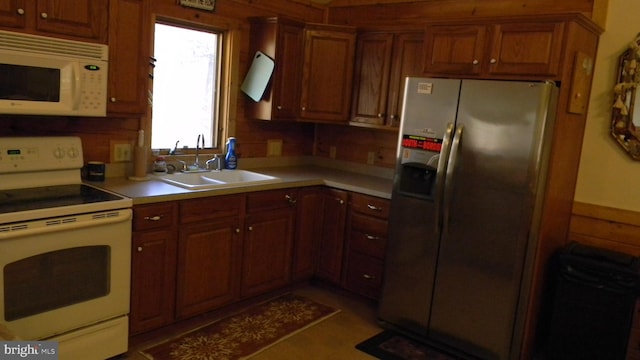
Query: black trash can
(593, 304)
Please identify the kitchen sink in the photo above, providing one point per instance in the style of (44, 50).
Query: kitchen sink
(218, 179)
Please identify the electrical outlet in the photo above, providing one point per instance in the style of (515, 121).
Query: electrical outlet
(120, 152)
(274, 147)
(371, 157)
(332, 152)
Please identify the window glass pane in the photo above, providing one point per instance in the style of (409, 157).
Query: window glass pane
(184, 86)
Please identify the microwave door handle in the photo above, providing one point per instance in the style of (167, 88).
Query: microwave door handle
(448, 187)
(440, 175)
(75, 86)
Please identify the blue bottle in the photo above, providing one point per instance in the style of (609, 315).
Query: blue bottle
(230, 159)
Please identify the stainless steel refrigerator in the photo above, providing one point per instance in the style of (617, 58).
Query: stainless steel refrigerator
(470, 176)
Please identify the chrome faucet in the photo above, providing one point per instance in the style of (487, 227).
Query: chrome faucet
(196, 163)
(216, 159)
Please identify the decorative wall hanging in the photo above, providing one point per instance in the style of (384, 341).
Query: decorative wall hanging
(625, 122)
(199, 4)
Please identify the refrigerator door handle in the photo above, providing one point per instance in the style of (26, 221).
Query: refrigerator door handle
(440, 175)
(448, 182)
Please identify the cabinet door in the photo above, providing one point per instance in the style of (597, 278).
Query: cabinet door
(13, 13)
(371, 78)
(526, 49)
(82, 19)
(308, 233)
(129, 67)
(406, 61)
(287, 73)
(208, 256)
(333, 233)
(153, 260)
(454, 49)
(327, 75)
(266, 251)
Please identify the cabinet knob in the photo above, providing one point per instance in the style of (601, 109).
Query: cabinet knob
(44, 15)
(279, 107)
(476, 62)
(304, 108)
(340, 201)
(290, 199)
(237, 230)
(393, 117)
(493, 61)
(380, 115)
(250, 228)
(112, 99)
(20, 11)
(153, 218)
(139, 249)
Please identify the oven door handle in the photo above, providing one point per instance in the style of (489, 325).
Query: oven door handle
(10, 231)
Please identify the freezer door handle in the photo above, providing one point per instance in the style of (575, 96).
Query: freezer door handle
(448, 182)
(440, 175)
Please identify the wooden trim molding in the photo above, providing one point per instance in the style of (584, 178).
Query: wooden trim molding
(606, 227)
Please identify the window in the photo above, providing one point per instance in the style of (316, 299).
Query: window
(186, 87)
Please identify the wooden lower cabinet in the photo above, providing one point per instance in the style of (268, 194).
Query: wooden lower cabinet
(633, 347)
(153, 260)
(267, 241)
(331, 247)
(367, 229)
(197, 255)
(308, 233)
(208, 265)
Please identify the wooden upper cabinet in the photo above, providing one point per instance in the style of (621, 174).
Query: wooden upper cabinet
(327, 73)
(12, 14)
(454, 49)
(80, 20)
(383, 60)
(281, 40)
(499, 49)
(526, 48)
(129, 57)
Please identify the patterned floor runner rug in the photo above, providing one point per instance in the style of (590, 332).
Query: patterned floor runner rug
(244, 334)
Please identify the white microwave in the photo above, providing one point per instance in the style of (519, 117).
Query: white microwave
(49, 76)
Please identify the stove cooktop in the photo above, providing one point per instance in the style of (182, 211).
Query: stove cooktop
(51, 197)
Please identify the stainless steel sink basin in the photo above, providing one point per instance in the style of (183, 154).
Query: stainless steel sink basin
(218, 179)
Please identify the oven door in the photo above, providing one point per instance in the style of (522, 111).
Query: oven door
(66, 273)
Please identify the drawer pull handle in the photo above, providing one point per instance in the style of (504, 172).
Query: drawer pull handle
(368, 277)
(371, 237)
(153, 218)
(374, 208)
(290, 199)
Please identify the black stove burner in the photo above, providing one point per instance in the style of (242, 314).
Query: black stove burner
(15, 200)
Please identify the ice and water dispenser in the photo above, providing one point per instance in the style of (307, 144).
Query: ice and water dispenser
(418, 165)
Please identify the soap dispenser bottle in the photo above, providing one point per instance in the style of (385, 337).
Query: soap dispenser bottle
(230, 159)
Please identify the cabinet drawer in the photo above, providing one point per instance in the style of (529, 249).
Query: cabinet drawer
(364, 275)
(370, 205)
(154, 216)
(271, 200)
(211, 208)
(633, 348)
(368, 235)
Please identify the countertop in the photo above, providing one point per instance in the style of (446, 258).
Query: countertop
(155, 190)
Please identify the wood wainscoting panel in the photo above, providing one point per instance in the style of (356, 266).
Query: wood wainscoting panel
(606, 227)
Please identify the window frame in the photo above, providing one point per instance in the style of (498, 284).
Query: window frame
(229, 60)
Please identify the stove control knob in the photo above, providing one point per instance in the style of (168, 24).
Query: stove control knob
(73, 152)
(58, 153)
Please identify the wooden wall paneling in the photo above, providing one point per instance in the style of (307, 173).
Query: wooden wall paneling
(357, 13)
(354, 143)
(606, 227)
